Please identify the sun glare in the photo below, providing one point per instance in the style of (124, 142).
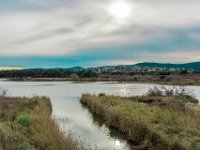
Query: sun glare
(120, 10)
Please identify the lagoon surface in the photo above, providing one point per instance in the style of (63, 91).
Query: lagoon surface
(71, 116)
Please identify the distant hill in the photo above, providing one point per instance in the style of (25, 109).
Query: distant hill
(71, 69)
(195, 65)
(146, 66)
(75, 68)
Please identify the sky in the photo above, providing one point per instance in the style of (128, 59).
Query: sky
(66, 33)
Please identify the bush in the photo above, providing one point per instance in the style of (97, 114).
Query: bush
(184, 72)
(102, 94)
(165, 73)
(155, 91)
(169, 91)
(162, 77)
(24, 120)
(3, 93)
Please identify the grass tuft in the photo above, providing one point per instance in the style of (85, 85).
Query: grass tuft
(24, 120)
(26, 124)
(166, 122)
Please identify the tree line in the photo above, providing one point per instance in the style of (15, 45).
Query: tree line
(46, 73)
(82, 73)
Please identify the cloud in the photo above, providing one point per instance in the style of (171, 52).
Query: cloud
(77, 27)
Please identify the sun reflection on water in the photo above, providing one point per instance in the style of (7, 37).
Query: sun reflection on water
(118, 145)
(123, 91)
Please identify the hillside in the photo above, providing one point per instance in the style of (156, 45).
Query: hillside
(195, 65)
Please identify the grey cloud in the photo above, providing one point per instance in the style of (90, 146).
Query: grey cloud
(44, 35)
(65, 27)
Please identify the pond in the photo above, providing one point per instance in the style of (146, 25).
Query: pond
(71, 116)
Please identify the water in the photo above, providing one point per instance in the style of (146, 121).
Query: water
(65, 97)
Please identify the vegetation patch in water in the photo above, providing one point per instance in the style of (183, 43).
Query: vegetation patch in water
(26, 123)
(150, 122)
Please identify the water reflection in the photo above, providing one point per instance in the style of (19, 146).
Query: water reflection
(117, 140)
(123, 90)
(118, 145)
(65, 97)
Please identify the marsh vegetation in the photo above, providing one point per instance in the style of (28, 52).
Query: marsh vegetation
(26, 123)
(70, 114)
(151, 121)
(121, 74)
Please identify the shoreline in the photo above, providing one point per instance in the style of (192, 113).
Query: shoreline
(185, 82)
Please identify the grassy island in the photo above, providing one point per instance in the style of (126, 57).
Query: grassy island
(26, 124)
(150, 122)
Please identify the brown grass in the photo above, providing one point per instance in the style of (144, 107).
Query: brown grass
(42, 133)
(149, 122)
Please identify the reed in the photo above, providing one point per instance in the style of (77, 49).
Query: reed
(150, 122)
(26, 123)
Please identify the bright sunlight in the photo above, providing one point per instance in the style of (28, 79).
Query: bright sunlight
(120, 10)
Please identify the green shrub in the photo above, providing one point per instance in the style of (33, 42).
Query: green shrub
(162, 77)
(102, 94)
(24, 120)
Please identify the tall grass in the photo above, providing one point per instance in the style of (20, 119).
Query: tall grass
(148, 124)
(41, 132)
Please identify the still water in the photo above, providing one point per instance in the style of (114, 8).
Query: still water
(71, 116)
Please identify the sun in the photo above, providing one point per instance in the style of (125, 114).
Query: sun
(120, 10)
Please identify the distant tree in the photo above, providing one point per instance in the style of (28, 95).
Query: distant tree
(165, 73)
(162, 77)
(184, 72)
(87, 74)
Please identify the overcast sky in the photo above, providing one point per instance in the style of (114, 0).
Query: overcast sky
(65, 33)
